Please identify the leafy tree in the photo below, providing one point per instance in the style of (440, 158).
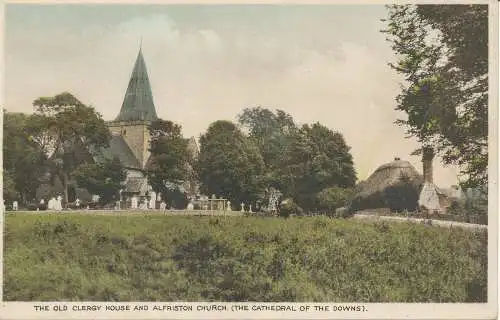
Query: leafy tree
(23, 159)
(170, 159)
(9, 187)
(318, 158)
(230, 164)
(69, 132)
(272, 132)
(104, 179)
(443, 55)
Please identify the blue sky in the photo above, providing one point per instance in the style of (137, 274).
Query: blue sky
(323, 63)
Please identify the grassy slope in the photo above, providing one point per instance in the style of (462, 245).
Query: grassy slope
(146, 258)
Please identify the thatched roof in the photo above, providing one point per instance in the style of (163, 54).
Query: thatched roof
(370, 193)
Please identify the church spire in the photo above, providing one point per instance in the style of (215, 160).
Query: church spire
(138, 102)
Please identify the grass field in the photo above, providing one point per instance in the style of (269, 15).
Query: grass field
(75, 257)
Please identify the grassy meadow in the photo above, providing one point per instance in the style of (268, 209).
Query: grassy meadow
(73, 257)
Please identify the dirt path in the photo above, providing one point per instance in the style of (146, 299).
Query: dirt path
(439, 223)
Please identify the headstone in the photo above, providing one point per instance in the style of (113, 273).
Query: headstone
(58, 203)
(14, 205)
(158, 197)
(143, 205)
(250, 208)
(152, 202)
(77, 203)
(117, 205)
(52, 204)
(133, 202)
(228, 206)
(242, 207)
(190, 206)
(163, 205)
(42, 202)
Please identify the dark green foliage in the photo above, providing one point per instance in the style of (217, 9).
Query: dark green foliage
(169, 160)
(68, 130)
(288, 207)
(442, 53)
(9, 187)
(104, 179)
(317, 158)
(23, 159)
(299, 161)
(158, 258)
(402, 196)
(230, 164)
(330, 199)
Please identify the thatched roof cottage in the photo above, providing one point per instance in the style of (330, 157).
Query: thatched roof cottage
(395, 185)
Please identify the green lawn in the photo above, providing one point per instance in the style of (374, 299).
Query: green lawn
(167, 258)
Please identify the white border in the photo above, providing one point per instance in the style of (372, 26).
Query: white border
(25, 310)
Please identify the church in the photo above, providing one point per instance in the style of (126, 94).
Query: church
(130, 137)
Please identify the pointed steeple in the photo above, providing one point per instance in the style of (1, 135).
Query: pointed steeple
(138, 101)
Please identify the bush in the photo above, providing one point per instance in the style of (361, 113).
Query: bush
(288, 207)
(402, 196)
(330, 199)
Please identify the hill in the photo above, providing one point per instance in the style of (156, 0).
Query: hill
(75, 257)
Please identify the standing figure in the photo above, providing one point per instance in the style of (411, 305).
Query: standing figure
(228, 205)
(14, 205)
(242, 207)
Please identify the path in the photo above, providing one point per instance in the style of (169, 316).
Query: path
(439, 223)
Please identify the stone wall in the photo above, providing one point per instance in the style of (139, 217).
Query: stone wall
(136, 135)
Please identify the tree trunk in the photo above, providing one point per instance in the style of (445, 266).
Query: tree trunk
(65, 187)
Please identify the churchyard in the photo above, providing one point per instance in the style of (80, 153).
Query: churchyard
(150, 257)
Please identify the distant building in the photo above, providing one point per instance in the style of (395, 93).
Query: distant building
(130, 134)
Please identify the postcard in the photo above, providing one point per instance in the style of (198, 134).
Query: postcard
(258, 160)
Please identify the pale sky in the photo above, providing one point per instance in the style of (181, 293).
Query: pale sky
(205, 63)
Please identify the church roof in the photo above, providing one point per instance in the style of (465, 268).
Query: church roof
(138, 101)
(119, 148)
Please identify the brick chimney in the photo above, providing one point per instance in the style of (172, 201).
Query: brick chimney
(427, 158)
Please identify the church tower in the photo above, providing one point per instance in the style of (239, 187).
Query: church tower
(137, 112)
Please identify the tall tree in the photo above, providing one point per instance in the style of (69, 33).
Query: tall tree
(273, 133)
(69, 131)
(230, 164)
(23, 158)
(170, 158)
(105, 179)
(443, 55)
(318, 158)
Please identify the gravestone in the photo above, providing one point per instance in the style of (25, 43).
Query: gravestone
(242, 207)
(228, 206)
(14, 205)
(133, 202)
